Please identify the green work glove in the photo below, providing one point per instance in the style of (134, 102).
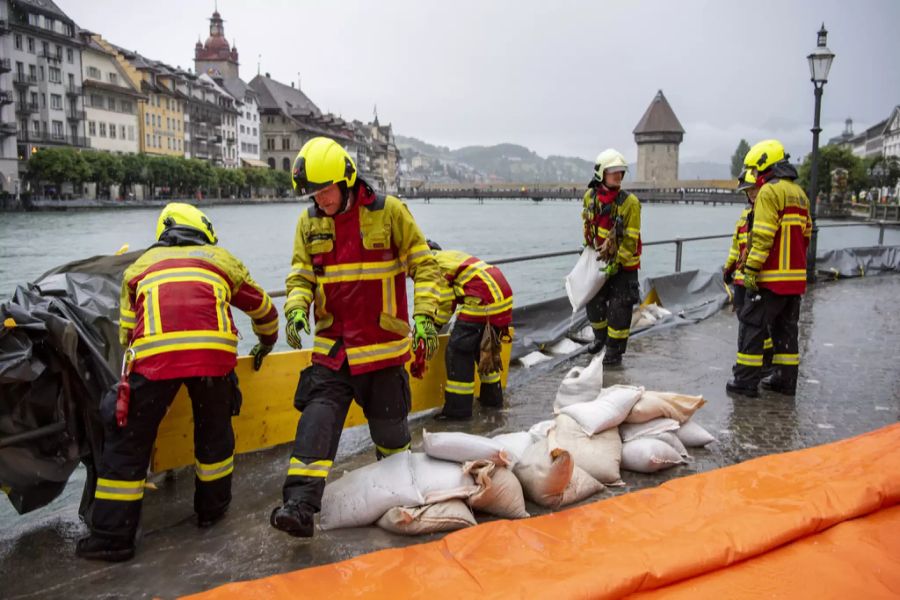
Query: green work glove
(611, 269)
(750, 280)
(425, 330)
(296, 321)
(259, 352)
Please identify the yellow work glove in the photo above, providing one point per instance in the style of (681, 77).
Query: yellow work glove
(750, 280)
(297, 321)
(425, 330)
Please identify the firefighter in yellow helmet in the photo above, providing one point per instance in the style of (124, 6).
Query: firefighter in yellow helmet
(176, 324)
(353, 250)
(774, 274)
(612, 226)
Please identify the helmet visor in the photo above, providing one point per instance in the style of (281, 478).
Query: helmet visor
(616, 169)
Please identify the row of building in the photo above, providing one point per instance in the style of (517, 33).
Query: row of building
(61, 85)
(882, 138)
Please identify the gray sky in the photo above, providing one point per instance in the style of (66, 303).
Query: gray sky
(561, 77)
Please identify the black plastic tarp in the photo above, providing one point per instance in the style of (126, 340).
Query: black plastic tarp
(59, 352)
(859, 262)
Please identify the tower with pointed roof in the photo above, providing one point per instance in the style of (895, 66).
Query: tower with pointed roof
(658, 135)
(216, 57)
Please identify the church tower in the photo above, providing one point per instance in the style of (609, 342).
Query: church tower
(216, 57)
(658, 135)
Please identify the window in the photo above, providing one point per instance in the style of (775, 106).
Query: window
(59, 52)
(286, 164)
(36, 126)
(126, 107)
(45, 48)
(112, 131)
(147, 119)
(147, 143)
(102, 129)
(70, 56)
(55, 101)
(113, 78)
(94, 73)
(31, 45)
(122, 131)
(41, 73)
(285, 143)
(58, 132)
(131, 132)
(92, 128)
(111, 103)
(254, 131)
(18, 39)
(242, 129)
(55, 75)
(71, 81)
(270, 145)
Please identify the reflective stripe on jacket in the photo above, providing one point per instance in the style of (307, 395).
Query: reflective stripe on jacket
(780, 237)
(175, 311)
(352, 267)
(599, 221)
(479, 290)
(737, 254)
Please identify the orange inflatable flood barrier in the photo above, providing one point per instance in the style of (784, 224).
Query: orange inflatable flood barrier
(807, 524)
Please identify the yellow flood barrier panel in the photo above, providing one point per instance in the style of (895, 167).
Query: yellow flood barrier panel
(268, 416)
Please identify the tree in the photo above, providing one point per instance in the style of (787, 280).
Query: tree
(882, 171)
(134, 169)
(104, 169)
(737, 159)
(281, 181)
(255, 179)
(57, 165)
(830, 158)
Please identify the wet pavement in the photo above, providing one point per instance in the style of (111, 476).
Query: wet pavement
(849, 384)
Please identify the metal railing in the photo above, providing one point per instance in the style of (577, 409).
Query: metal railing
(679, 247)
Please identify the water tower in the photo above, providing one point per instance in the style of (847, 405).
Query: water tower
(658, 135)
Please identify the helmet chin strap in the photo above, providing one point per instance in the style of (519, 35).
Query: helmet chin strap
(345, 195)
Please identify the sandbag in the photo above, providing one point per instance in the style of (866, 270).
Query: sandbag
(515, 444)
(664, 404)
(461, 447)
(585, 279)
(439, 480)
(694, 436)
(544, 474)
(609, 409)
(533, 358)
(581, 486)
(362, 496)
(581, 384)
(649, 455)
(500, 492)
(539, 430)
(671, 439)
(431, 518)
(633, 431)
(599, 455)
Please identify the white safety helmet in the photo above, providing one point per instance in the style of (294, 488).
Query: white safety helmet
(609, 159)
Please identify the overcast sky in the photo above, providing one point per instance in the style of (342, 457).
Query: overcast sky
(561, 77)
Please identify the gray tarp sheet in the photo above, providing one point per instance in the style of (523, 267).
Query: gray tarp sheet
(859, 262)
(56, 361)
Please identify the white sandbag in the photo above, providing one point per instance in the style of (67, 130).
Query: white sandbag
(599, 455)
(585, 279)
(648, 455)
(642, 318)
(362, 496)
(633, 431)
(671, 439)
(439, 480)
(461, 447)
(539, 430)
(664, 404)
(585, 335)
(581, 384)
(533, 358)
(609, 409)
(581, 486)
(499, 493)
(563, 347)
(694, 436)
(431, 518)
(543, 474)
(515, 444)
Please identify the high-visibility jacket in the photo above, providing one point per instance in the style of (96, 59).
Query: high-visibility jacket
(175, 311)
(479, 290)
(352, 267)
(618, 212)
(780, 237)
(737, 254)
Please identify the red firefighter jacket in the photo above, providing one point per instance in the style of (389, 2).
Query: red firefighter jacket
(479, 290)
(603, 210)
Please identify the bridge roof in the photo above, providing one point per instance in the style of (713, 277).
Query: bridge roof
(659, 118)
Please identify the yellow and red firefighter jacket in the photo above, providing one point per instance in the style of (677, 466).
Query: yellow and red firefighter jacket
(352, 267)
(175, 311)
(479, 290)
(737, 254)
(780, 237)
(618, 213)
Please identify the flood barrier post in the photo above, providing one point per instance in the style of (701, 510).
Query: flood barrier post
(678, 246)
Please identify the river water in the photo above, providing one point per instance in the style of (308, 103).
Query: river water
(262, 236)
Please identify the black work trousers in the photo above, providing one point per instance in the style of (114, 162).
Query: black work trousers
(764, 314)
(324, 397)
(116, 510)
(739, 299)
(609, 311)
(463, 352)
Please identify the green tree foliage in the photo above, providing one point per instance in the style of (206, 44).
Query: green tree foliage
(134, 169)
(832, 157)
(881, 171)
(737, 159)
(104, 168)
(58, 165)
(256, 179)
(281, 181)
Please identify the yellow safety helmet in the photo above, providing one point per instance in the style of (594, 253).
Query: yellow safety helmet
(320, 163)
(746, 180)
(179, 214)
(609, 159)
(764, 154)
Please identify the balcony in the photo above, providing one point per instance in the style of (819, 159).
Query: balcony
(7, 129)
(73, 90)
(51, 56)
(24, 80)
(75, 115)
(26, 108)
(47, 137)
(230, 140)
(4, 26)
(5, 98)
(5, 65)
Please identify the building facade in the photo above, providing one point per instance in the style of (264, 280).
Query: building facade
(890, 136)
(110, 101)
(658, 135)
(40, 83)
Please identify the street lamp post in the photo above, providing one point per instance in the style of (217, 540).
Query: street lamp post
(819, 65)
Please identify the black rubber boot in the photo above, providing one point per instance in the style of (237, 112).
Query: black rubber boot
(596, 346)
(774, 383)
(294, 518)
(205, 520)
(735, 388)
(100, 548)
(612, 360)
